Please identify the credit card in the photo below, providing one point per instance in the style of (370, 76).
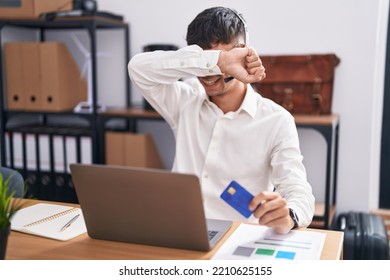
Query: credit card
(238, 198)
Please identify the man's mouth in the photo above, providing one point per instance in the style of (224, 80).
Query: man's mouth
(210, 82)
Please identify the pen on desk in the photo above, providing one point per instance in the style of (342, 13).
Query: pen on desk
(68, 224)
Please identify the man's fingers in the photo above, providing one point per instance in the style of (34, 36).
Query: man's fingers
(255, 75)
(253, 70)
(275, 213)
(261, 197)
(245, 65)
(269, 206)
(254, 67)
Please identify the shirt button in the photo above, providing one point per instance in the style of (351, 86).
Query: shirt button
(211, 71)
(206, 176)
(182, 63)
(208, 65)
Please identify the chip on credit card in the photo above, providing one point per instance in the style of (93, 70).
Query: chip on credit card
(238, 197)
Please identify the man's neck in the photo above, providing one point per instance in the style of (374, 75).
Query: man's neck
(231, 100)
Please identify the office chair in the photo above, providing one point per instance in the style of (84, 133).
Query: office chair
(16, 182)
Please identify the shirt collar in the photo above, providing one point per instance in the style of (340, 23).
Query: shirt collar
(249, 104)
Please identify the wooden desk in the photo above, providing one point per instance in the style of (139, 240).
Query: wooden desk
(29, 247)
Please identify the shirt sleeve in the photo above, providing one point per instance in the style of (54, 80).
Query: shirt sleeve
(289, 174)
(157, 75)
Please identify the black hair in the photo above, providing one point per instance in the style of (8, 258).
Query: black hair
(217, 25)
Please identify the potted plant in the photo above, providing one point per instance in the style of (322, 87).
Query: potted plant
(8, 207)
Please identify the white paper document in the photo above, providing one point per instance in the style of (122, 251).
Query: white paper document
(254, 242)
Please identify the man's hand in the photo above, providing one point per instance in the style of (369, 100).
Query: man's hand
(272, 211)
(244, 64)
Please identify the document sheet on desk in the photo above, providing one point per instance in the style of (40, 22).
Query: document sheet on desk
(254, 242)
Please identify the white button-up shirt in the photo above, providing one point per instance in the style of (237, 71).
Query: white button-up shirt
(257, 146)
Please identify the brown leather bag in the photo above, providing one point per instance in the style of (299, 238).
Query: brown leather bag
(303, 84)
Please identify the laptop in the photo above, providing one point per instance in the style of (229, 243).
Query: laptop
(145, 206)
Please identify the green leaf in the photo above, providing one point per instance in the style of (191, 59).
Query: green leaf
(8, 204)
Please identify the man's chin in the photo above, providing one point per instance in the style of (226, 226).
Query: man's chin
(214, 93)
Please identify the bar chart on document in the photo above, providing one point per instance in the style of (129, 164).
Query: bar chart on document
(254, 242)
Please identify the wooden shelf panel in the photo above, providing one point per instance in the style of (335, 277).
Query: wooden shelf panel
(322, 120)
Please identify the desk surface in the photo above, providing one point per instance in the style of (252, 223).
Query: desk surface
(25, 246)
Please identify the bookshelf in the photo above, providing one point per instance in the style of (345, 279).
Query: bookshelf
(29, 141)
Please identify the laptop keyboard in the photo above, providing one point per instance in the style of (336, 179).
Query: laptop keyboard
(212, 234)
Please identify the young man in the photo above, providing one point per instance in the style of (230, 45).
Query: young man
(224, 130)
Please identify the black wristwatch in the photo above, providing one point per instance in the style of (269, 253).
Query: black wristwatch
(294, 217)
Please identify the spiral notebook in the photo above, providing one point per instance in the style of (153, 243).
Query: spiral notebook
(50, 220)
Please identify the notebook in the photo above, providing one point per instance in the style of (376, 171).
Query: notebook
(145, 206)
(50, 221)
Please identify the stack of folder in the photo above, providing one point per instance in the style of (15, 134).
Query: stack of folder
(42, 76)
(43, 155)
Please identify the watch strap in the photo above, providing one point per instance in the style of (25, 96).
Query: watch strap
(294, 217)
